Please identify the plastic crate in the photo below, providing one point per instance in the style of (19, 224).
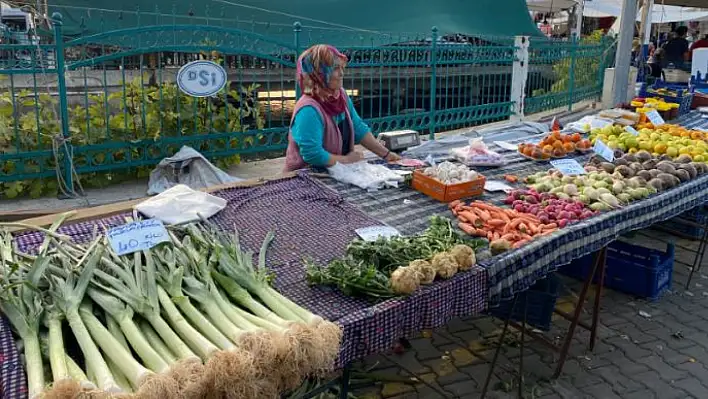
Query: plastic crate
(539, 300)
(631, 269)
(684, 96)
(697, 215)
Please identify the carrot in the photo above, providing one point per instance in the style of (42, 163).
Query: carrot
(490, 236)
(523, 228)
(519, 243)
(454, 204)
(503, 216)
(546, 232)
(484, 206)
(509, 237)
(549, 226)
(513, 225)
(467, 228)
(496, 235)
(511, 178)
(496, 222)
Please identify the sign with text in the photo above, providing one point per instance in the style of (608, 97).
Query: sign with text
(568, 167)
(137, 236)
(201, 78)
(631, 130)
(373, 233)
(655, 118)
(603, 150)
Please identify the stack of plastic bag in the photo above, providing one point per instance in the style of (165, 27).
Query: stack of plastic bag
(364, 175)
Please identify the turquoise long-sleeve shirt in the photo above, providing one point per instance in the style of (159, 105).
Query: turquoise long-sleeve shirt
(308, 133)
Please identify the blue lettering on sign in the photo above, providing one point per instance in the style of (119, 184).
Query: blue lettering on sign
(137, 236)
(201, 78)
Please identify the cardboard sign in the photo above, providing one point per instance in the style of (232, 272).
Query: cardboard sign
(137, 236)
(569, 167)
(603, 150)
(655, 118)
(373, 233)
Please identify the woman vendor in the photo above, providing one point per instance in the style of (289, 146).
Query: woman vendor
(325, 126)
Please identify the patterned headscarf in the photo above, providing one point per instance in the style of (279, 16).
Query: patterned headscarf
(314, 69)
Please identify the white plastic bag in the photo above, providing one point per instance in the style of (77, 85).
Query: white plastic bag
(180, 204)
(365, 175)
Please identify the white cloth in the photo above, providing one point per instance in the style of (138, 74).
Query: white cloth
(365, 175)
(180, 204)
(187, 167)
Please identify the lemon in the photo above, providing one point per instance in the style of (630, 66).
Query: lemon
(660, 148)
(685, 150)
(699, 158)
(673, 152)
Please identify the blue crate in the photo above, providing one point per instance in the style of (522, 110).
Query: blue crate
(631, 269)
(684, 96)
(677, 226)
(540, 301)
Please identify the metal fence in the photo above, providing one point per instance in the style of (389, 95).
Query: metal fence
(106, 107)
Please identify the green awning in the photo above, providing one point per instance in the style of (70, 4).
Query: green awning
(343, 22)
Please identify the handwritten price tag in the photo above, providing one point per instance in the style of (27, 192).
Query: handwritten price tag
(631, 130)
(655, 118)
(137, 236)
(603, 150)
(373, 233)
(568, 167)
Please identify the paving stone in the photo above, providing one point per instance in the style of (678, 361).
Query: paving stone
(643, 394)
(410, 362)
(396, 388)
(600, 391)
(666, 371)
(629, 367)
(424, 348)
(462, 388)
(630, 349)
(693, 387)
(460, 325)
(662, 389)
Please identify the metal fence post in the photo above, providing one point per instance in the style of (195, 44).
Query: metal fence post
(574, 43)
(519, 76)
(297, 29)
(66, 150)
(433, 80)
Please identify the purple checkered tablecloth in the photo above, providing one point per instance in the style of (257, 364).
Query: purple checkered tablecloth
(310, 220)
(12, 374)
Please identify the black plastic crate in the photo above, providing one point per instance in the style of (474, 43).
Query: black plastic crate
(539, 300)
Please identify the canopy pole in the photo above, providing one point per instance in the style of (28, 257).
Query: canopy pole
(645, 30)
(624, 51)
(579, 10)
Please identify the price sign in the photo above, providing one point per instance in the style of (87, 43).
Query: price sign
(568, 167)
(201, 78)
(603, 150)
(631, 130)
(655, 118)
(496, 185)
(137, 236)
(373, 233)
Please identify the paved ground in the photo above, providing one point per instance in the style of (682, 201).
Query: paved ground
(645, 350)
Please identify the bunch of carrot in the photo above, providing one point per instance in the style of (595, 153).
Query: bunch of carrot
(480, 219)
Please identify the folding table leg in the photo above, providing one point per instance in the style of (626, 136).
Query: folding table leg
(597, 259)
(698, 260)
(521, 352)
(499, 346)
(344, 385)
(598, 298)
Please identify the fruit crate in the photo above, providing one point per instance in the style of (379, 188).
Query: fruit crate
(684, 97)
(677, 226)
(631, 269)
(447, 192)
(539, 301)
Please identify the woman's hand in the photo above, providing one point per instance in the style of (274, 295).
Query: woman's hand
(353, 157)
(392, 157)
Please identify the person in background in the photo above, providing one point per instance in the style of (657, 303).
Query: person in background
(657, 62)
(677, 48)
(701, 43)
(325, 126)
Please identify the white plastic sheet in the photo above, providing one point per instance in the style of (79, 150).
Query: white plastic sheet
(180, 204)
(365, 175)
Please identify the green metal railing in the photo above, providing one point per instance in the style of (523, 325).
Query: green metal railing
(106, 108)
(562, 73)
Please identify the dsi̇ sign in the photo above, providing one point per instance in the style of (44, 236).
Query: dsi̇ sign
(201, 78)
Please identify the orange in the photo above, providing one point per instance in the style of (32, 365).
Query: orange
(569, 147)
(558, 145)
(576, 137)
(548, 148)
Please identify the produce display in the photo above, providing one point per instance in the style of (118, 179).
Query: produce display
(504, 228)
(670, 140)
(641, 170)
(550, 208)
(644, 105)
(451, 173)
(397, 265)
(190, 318)
(555, 145)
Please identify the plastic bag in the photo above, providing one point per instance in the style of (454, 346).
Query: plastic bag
(180, 204)
(365, 175)
(477, 154)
